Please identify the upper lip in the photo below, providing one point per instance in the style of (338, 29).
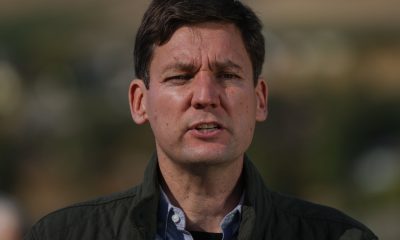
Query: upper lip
(198, 124)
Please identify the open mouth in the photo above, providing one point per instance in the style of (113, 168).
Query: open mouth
(207, 127)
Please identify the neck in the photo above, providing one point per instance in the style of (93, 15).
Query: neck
(206, 193)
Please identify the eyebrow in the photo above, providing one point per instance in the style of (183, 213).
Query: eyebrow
(182, 66)
(191, 66)
(226, 64)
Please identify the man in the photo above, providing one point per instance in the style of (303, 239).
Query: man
(198, 64)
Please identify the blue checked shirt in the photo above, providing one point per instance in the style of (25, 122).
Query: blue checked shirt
(171, 222)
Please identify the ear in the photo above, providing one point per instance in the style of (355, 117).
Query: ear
(262, 100)
(137, 98)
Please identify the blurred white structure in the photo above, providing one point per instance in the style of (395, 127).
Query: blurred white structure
(10, 220)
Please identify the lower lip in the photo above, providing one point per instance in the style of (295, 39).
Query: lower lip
(204, 134)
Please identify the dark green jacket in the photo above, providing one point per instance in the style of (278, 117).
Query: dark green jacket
(132, 215)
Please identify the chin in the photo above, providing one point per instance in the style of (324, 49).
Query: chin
(208, 157)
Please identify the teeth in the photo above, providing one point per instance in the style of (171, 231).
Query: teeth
(207, 126)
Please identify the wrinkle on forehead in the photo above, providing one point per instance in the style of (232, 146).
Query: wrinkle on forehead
(201, 52)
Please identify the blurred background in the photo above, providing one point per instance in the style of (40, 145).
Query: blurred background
(332, 137)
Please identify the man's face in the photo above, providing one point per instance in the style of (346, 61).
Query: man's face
(202, 104)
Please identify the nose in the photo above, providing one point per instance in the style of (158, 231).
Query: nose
(206, 92)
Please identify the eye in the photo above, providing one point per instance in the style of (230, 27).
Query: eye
(179, 79)
(227, 76)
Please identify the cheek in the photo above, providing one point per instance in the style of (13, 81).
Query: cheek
(160, 116)
(246, 111)
(244, 104)
(163, 111)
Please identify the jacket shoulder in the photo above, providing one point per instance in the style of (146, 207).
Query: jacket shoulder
(97, 218)
(305, 215)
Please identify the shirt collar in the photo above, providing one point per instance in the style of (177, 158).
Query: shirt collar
(172, 221)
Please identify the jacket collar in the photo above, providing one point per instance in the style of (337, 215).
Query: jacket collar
(255, 209)
(144, 210)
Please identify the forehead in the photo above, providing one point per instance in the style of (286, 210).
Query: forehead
(219, 42)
